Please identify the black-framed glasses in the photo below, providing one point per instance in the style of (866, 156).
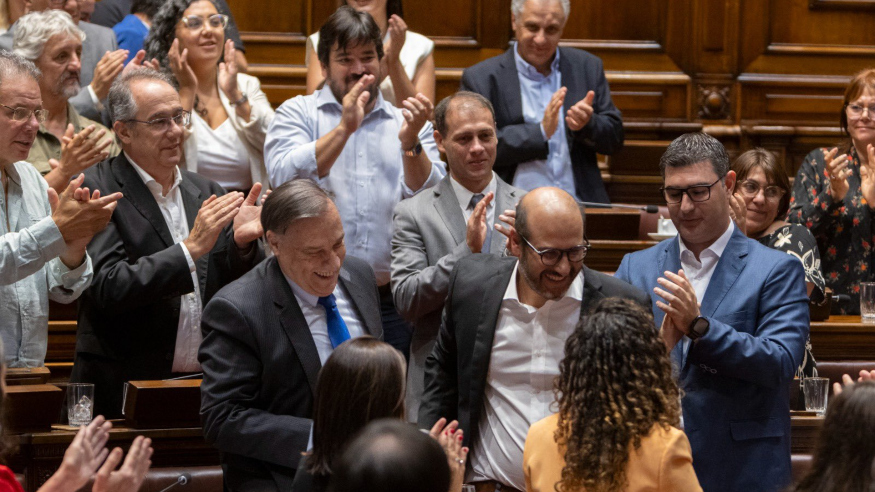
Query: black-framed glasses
(699, 193)
(856, 110)
(750, 188)
(23, 114)
(163, 124)
(551, 256)
(195, 22)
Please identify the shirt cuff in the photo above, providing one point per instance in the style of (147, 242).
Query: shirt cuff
(48, 237)
(69, 277)
(433, 179)
(191, 266)
(543, 133)
(94, 99)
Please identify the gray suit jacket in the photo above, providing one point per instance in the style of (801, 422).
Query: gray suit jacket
(98, 40)
(429, 239)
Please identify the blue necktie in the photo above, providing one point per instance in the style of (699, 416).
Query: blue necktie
(337, 331)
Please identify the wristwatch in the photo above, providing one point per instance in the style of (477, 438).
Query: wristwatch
(699, 328)
(415, 151)
(240, 101)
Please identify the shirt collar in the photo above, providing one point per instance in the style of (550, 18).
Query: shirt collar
(528, 70)
(716, 247)
(72, 117)
(464, 194)
(302, 294)
(155, 187)
(575, 290)
(12, 172)
(324, 97)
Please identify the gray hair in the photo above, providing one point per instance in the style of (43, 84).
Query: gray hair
(693, 148)
(293, 200)
(120, 101)
(34, 30)
(516, 6)
(12, 65)
(443, 107)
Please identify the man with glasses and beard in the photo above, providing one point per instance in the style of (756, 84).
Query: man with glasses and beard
(353, 143)
(508, 320)
(734, 315)
(53, 42)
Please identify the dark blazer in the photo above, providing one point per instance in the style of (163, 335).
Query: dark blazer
(455, 372)
(736, 404)
(497, 80)
(260, 368)
(129, 317)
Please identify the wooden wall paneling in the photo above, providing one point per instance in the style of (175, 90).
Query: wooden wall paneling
(796, 100)
(651, 96)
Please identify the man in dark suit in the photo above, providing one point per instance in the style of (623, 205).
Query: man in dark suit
(455, 219)
(552, 105)
(509, 319)
(169, 247)
(734, 313)
(267, 335)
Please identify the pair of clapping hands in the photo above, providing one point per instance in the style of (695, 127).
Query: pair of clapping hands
(217, 212)
(87, 457)
(477, 227)
(450, 437)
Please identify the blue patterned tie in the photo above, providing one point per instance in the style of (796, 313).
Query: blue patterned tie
(337, 331)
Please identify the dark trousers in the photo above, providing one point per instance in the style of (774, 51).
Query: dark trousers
(396, 332)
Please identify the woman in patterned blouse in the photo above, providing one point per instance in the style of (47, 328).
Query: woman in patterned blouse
(834, 194)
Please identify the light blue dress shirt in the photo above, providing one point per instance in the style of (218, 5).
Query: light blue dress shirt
(537, 90)
(30, 270)
(367, 179)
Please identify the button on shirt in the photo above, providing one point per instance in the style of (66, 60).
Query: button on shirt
(316, 317)
(188, 331)
(699, 272)
(367, 179)
(537, 90)
(30, 271)
(528, 345)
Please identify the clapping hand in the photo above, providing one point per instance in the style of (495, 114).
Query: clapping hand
(354, 103)
(738, 211)
(551, 113)
(476, 228)
(837, 172)
(580, 114)
(417, 110)
(139, 61)
(678, 299)
(181, 69)
(130, 476)
(397, 35)
(450, 437)
(847, 381)
(228, 72)
(247, 223)
(215, 214)
(106, 71)
(867, 177)
(84, 455)
(81, 150)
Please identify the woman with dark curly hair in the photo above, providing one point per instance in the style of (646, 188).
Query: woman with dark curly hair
(845, 450)
(230, 113)
(618, 408)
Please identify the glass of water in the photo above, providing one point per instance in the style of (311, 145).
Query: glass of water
(80, 403)
(867, 302)
(816, 391)
(467, 488)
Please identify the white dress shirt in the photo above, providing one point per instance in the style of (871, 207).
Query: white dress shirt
(528, 345)
(464, 196)
(367, 178)
(188, 331)
(317, 318)
(699, 271)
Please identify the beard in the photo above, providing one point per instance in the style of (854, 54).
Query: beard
(68, 86)
(535, 280)
(342, 88)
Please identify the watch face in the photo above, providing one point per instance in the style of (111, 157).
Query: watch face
(701, 326)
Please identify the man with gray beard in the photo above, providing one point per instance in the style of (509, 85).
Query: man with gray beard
(66, 143)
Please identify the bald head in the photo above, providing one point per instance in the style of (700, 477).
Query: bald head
(550, 208)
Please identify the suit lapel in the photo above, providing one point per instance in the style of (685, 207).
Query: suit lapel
(569, 80)
(669, 259)
(730, 265)
(191, 201)
(293, 323)
(506, 198)
(136, 192)
(367, 311)
(592, 291)
(447, 205)
(511, 97)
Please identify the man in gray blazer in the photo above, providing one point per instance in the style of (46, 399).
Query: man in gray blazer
(267, 334)
(455, 219)
(98, 42)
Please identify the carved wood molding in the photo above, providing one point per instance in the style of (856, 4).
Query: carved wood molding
(714, 102)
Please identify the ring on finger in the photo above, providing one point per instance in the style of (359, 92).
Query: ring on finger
(460, 461)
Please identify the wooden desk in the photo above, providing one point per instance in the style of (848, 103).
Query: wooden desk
(612, 223)
(605, 255)
(40, 454)
(842, 338)
(803, 433)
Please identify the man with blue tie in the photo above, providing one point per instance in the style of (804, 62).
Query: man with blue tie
(734, 314)
(267, 334)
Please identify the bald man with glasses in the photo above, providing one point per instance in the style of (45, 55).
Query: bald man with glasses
(526, 305)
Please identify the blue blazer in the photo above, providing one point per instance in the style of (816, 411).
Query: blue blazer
(735, 379)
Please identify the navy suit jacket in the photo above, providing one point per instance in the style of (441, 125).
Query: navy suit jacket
(497, 80)
(735, 379)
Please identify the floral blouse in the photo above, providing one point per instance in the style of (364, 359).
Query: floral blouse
(843, 230)
(797, 241)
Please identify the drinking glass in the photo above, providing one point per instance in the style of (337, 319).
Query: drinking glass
(816, 391)
(80, 403)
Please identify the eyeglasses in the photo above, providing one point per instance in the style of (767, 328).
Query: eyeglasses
(163, 124)
(700, 193)
(195, 22)
(23, 114)
(855, 111)
(750, 188)
(551, 256)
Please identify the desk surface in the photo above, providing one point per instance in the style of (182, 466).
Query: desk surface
(843, 338)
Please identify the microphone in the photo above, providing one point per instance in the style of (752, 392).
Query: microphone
(182, 479)
(651, 209)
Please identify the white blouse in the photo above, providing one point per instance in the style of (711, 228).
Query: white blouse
(222, 157)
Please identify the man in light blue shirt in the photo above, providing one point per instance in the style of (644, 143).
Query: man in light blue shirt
(42, 236)
(368, 153)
